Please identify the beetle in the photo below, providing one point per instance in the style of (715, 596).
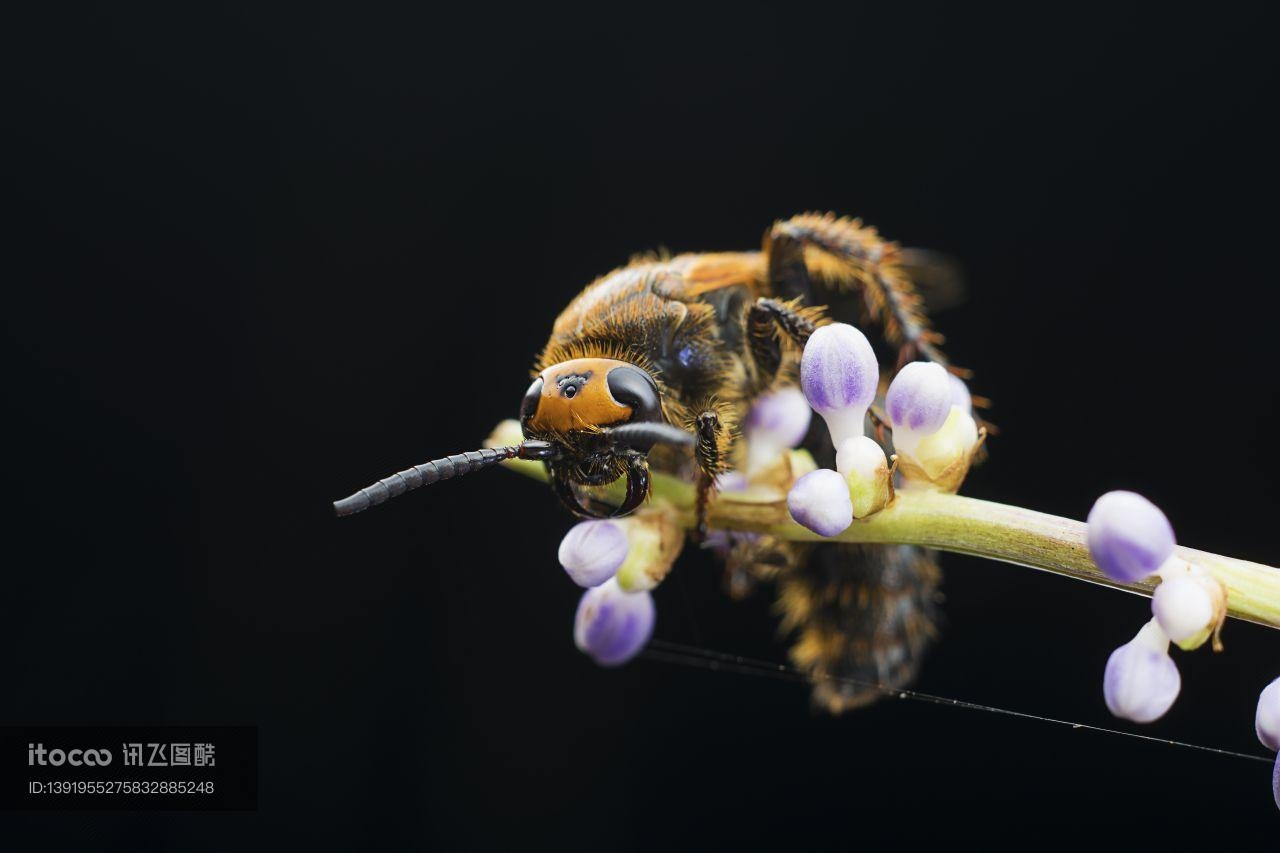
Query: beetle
(657, 362)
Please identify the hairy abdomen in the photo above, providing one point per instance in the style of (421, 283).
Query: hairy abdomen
(862, 617)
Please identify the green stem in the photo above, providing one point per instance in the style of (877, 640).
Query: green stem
(1040, 541)
(965, 525)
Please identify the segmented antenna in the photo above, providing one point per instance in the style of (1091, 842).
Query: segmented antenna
(443, 469)
(423, 475)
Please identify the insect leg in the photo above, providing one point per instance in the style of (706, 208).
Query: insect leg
(711, 463)
(766, 320)
(841, 254)
(794, 322)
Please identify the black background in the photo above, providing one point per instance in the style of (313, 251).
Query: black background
(264, 258)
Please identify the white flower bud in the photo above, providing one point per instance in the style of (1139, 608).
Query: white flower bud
(861, 461)
(1190, 604)
(941, 461)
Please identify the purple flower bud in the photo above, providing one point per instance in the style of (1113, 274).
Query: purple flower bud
(1275, 782)
(732, 481)
(1129, 537)
(839, 375)
(1141, 680)
(1267, 721)
(919, 398)
(776, 423)
(784, 413)
(592, 551)
(612, 626)
(960, 394)
(820, 501)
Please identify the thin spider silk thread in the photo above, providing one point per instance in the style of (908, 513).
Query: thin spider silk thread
(677, 653)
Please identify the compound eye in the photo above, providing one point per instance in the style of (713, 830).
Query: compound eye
(633, 387)
(529, 406)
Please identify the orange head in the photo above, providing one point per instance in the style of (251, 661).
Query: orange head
(589, 393)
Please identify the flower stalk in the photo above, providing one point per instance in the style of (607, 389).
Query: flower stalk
(951, 522)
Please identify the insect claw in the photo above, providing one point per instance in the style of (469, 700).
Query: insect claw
(637, 491)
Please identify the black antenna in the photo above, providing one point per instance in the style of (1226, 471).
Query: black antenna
(644, 435)
(440, 469)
